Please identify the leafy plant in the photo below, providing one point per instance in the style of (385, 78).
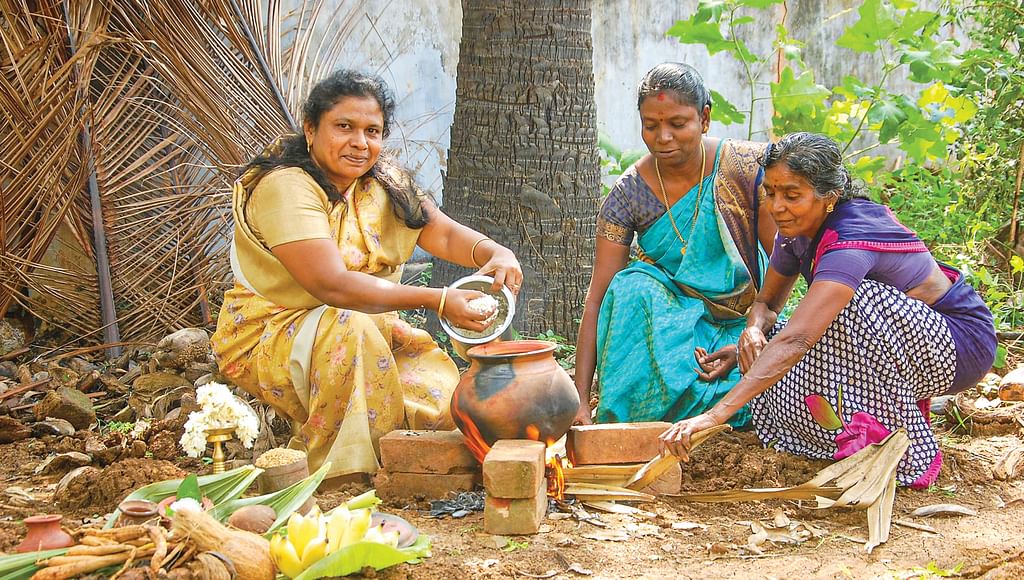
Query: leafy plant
(565, 349)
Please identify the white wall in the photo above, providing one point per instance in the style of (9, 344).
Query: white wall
(415, 44)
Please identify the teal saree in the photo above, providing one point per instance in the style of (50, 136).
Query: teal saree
(665, 304)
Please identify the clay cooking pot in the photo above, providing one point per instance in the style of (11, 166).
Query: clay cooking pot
(513, 390)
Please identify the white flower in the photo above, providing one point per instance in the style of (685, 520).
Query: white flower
(219, 409)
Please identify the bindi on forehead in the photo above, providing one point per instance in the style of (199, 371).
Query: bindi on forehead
(661, 96)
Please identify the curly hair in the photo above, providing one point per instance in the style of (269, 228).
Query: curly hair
(294, 150)
(817, 159)
(681, 79)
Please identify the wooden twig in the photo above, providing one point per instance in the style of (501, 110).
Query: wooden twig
(23, 388)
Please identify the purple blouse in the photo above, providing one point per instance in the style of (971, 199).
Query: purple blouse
(864, 241)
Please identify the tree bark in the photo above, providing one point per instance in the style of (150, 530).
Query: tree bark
(523, 165)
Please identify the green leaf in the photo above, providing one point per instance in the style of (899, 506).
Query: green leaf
(1017, 264)
(1000, 361)
(930, 61)
(355, 557)
(877, 22)
(189, 488)
(867, 167)
(219, 487)
(18, 566)
(799, 102)
(707, 33)
(723, 111)
(914, 21)
(890, 114)
(283, 501)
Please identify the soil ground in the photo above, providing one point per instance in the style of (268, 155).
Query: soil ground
(989, 544)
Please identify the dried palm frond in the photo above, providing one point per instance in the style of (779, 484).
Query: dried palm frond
(176, 96)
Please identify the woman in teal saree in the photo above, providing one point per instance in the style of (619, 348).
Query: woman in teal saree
(660, 331)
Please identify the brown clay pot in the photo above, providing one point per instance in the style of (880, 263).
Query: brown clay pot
(513, 390)
(44, 533)
(136, 512)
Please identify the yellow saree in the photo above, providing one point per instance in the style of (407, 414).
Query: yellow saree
(346, 377)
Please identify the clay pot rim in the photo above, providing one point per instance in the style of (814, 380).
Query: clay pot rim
(511, 349)
(43, 518)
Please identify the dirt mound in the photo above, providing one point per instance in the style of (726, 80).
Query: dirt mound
(104, 489)
(734, 460)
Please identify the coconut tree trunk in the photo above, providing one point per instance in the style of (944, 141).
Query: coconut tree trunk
(523, 165)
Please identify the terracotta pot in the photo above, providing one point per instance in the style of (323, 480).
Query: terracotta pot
(513, 390)
(44, 533)
(136, 511)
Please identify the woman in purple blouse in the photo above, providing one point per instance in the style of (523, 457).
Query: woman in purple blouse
(883, 326)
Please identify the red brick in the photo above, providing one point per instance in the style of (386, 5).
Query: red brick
(614, 443)
(509, 517)
(393, 486)
(669, 482)
(514, 468)
(437, 452)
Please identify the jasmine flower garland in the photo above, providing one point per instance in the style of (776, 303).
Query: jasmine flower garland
(219, 409)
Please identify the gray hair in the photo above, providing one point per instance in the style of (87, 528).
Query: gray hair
(817, 159)
(681, 79)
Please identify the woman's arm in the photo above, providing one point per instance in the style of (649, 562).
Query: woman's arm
(453, 242)
(818, 309)
(318, 267)
(609, 259)
(762, 316)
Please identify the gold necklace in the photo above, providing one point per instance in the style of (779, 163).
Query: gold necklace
(696, 209)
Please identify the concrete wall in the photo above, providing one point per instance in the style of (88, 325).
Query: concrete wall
(415, 45)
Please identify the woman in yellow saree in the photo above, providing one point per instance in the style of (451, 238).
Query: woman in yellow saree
(323, 227)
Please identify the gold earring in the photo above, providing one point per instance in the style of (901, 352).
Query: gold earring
(830, 207)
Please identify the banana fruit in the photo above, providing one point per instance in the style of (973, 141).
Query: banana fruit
(316, 535)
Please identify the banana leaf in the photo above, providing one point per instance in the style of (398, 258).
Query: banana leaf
(353, 558)
(284, 501)
(219, 487)
(19, 566)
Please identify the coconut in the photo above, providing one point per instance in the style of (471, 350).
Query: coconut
(249, 553)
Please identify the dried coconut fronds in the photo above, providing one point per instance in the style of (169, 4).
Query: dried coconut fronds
(864, 480)
(657, 467)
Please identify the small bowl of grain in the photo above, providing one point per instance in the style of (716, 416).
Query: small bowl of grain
(503, 299)
(281, 467)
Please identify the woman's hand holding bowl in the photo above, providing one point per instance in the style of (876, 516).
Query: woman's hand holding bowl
(505, 269)
(459, 313)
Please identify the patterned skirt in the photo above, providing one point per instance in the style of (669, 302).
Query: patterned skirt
(871, 373)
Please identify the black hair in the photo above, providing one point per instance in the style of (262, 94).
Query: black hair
(294, 150)
(817, 159)
(681, 79)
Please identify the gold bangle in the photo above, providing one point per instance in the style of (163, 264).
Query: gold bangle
(472, 251)
(440, 306)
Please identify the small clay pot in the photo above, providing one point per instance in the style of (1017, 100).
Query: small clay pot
(281, 476)
(136, 511)
(44, 533)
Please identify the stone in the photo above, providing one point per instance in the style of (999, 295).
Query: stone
(185, 346)
(8, 370)
(668, 483)
(510, 517)
(11, 337)
(434, 452)
(69, 404)
(612, 443)
(53, 426)
(81, 366)
(63, 463)
(514, 468)
(12, 430)
(395, 486)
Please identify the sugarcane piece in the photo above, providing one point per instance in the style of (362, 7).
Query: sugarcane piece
(82, 565)
(103, 550)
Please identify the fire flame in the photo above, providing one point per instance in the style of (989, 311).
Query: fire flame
(556, 465)
(474, 440)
